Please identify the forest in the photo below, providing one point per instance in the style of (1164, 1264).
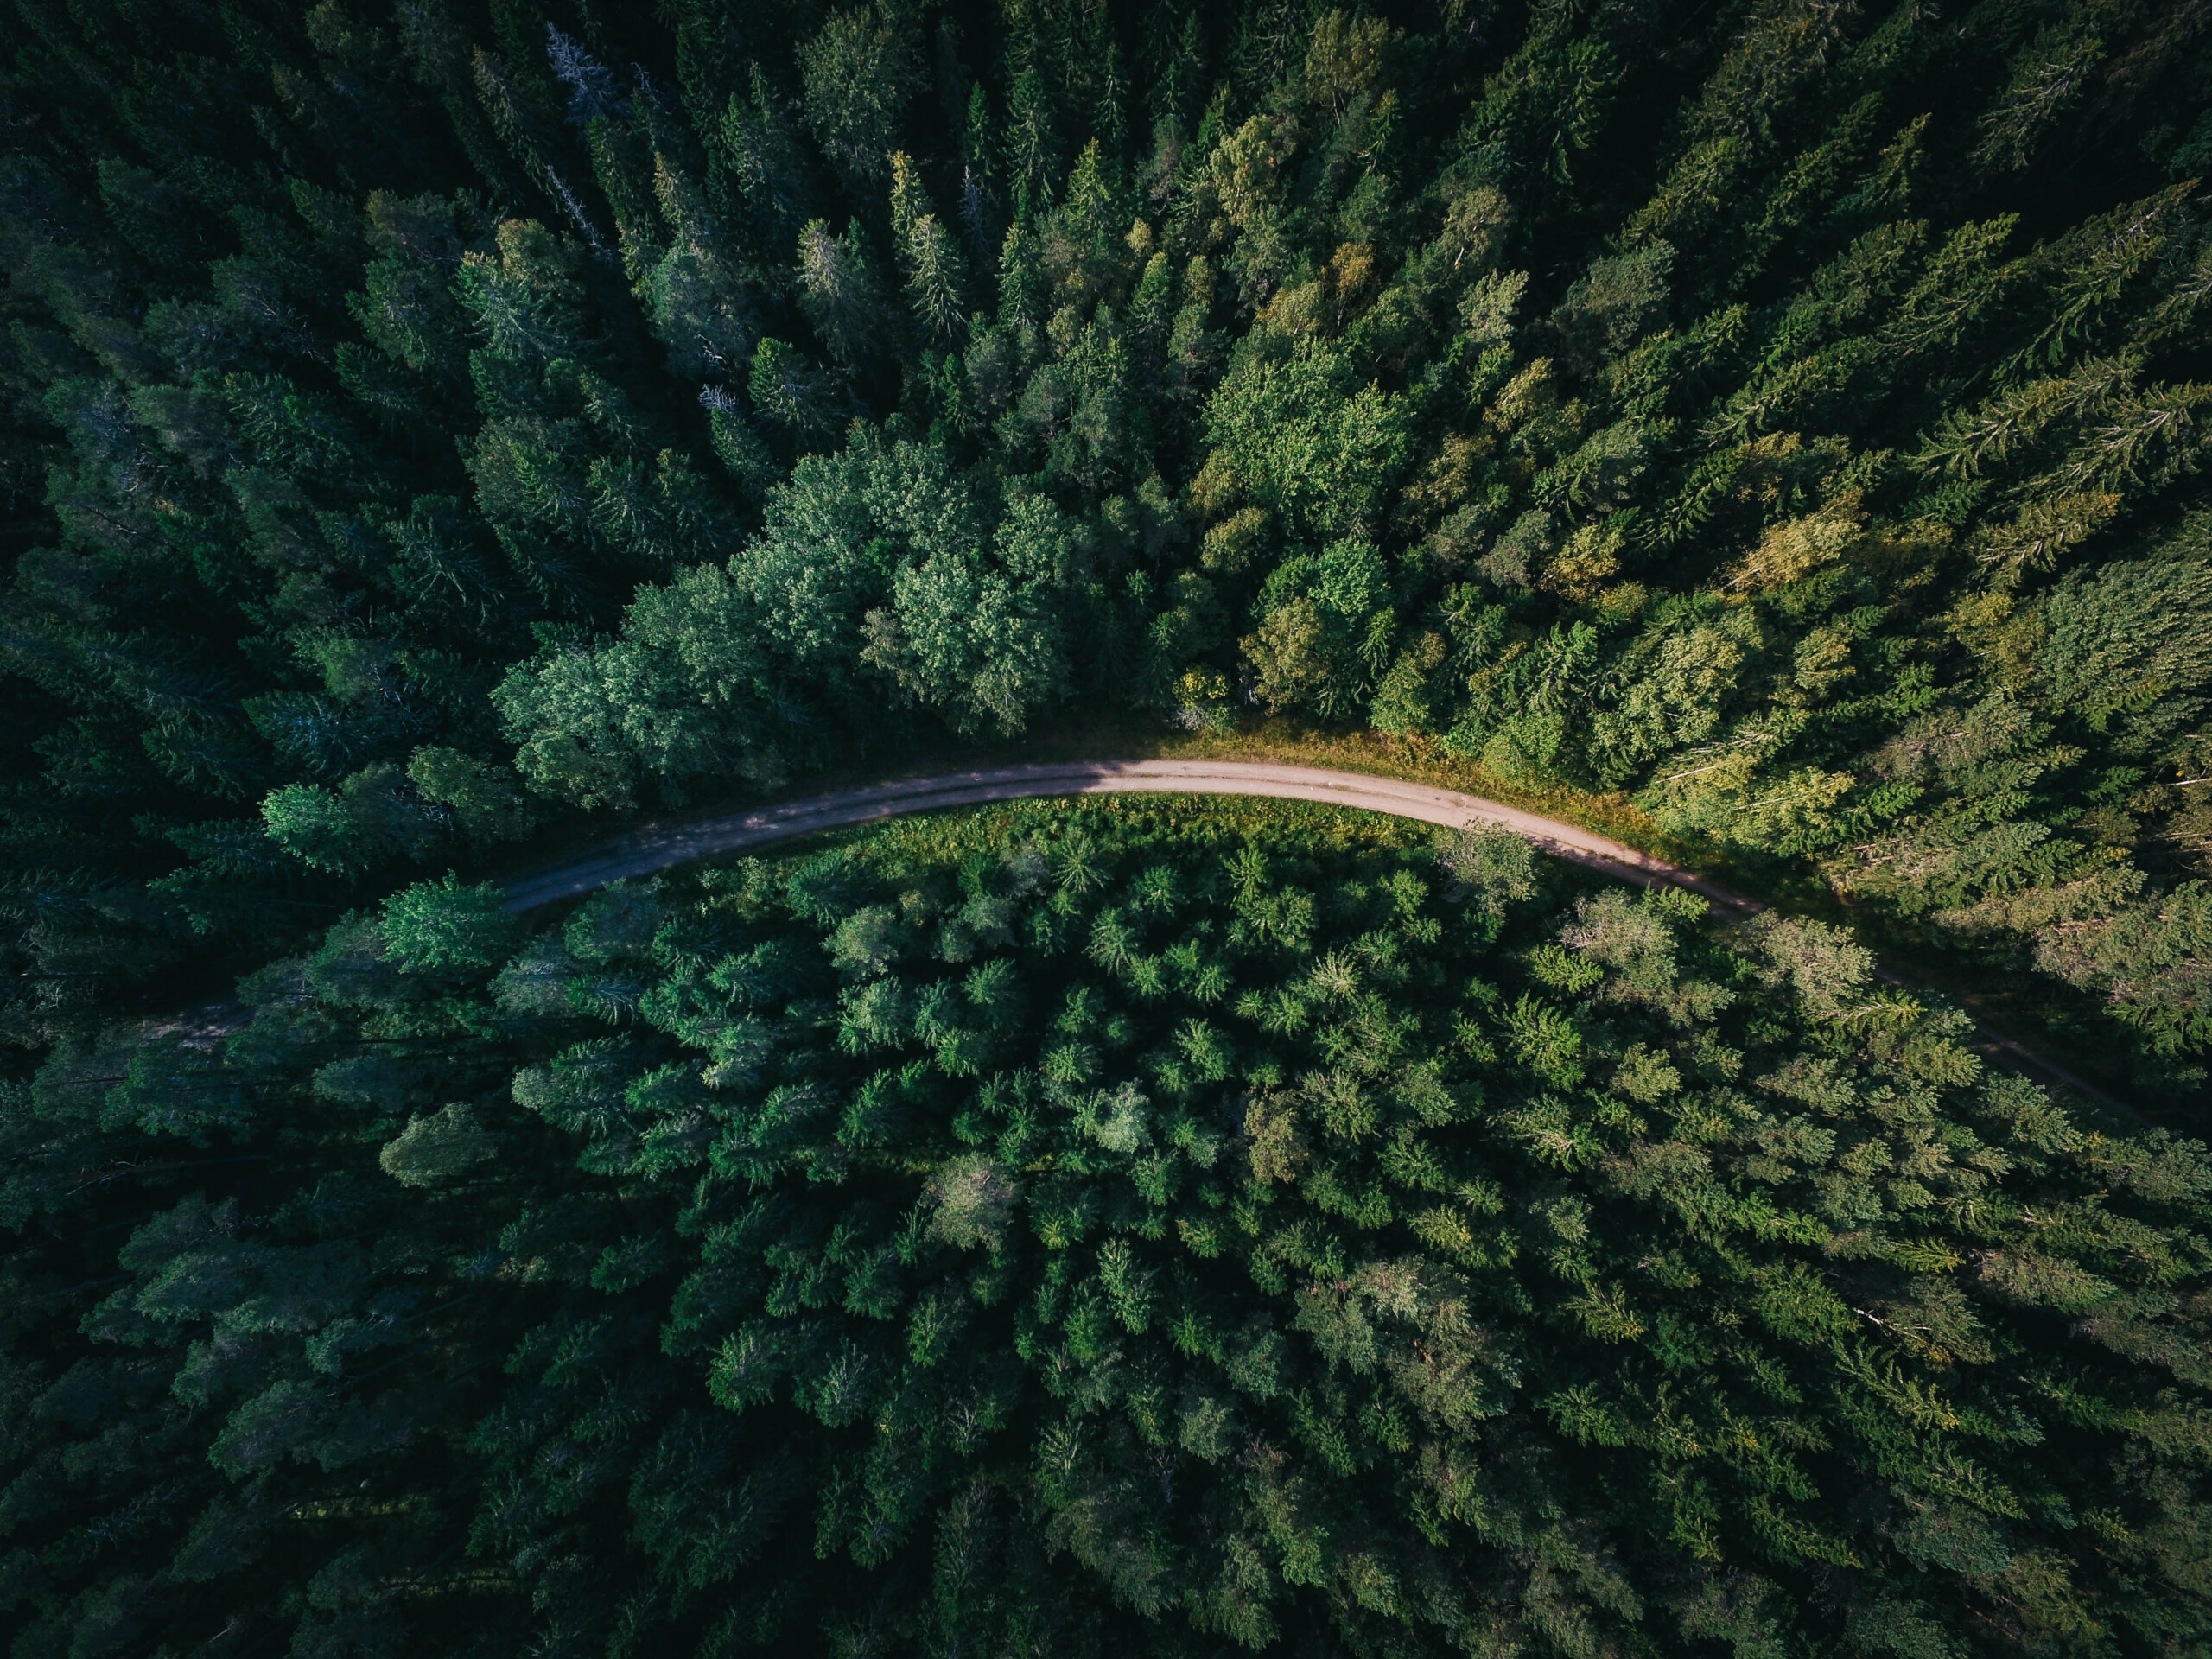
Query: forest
(1180, 1230)
(426, 427)
(437, 434)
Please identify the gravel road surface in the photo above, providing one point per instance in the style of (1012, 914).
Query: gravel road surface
(643, 851)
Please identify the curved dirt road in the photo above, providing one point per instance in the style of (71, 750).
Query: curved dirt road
(646, 850)
(643, 851)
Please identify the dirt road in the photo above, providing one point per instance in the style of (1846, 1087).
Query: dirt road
(646, 850)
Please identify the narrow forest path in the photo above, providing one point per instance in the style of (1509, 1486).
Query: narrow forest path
(641, 852)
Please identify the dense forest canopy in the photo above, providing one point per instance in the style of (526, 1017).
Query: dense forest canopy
(429, 423)
(1177, 1229)
(440, 429)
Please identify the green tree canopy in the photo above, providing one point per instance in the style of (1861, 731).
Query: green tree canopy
(1169, 1225)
